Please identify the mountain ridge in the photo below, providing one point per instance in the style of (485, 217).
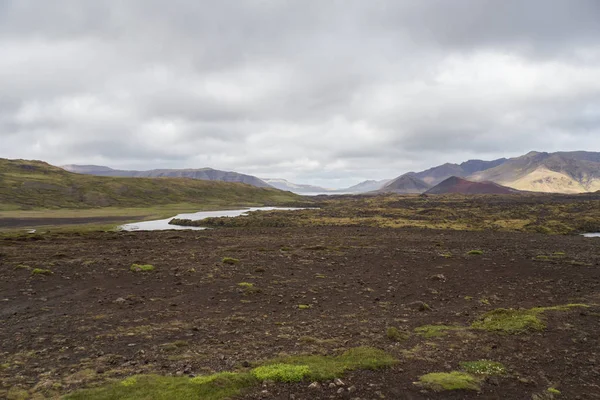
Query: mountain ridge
(208, 174)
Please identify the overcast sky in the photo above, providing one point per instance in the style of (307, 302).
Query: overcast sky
(328, 92)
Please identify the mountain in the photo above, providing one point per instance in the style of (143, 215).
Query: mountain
(283, 184)
(454, 184)
(36, 184)
(207, 174)
(435, 175)
(365, 186)
(561, 172)
(407, 183)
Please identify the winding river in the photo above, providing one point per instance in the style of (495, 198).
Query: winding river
(163, 224)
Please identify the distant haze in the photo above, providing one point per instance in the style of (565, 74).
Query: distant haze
(321, 92)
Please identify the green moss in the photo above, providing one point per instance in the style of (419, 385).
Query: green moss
(455, 380)
(225, 385)
(396, 335)
(430, 331)
(303, 306)
(511, 321)
(246, 285)
(475, 252)
(15, 393)
(324, 368)
(143, 387)
(230, 261)
(281, 372)
(141, 268)
(40, 271)
(553, 390)
(483, 367)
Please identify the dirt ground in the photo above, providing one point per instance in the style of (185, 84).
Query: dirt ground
(93, 318)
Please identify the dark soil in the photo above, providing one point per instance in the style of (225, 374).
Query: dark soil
(94, 319)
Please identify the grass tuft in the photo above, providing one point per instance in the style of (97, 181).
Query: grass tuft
(230, 260)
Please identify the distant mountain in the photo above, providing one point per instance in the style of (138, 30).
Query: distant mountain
(365, 186)
(561, 172)
(435, 175)
(283, 184)
(407, 183)
(458, 185)
(206, 174)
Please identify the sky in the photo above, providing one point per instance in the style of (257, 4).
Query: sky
(327, 92)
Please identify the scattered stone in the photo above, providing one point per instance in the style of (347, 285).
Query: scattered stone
(438, 277)
(120, 300)
(352, 389)
(332, 385)
(314, 385)
(339, 382)
(340, 391)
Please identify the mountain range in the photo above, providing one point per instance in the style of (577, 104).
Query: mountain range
(205, 174)
(560, 172)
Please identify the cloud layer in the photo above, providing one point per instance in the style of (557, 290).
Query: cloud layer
(318, 91)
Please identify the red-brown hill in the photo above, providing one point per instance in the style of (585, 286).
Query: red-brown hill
(458, 185)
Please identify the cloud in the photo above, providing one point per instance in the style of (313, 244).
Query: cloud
(318, 91)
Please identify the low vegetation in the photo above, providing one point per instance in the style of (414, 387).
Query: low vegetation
(35, 184)
(397, 335)
(511, 321)
(141, 268)
(455, 380)
(227, 384)
(230, 260)
(41, 271)
(483, 367)
(430, 331)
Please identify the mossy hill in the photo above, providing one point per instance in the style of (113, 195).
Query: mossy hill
(36, 184)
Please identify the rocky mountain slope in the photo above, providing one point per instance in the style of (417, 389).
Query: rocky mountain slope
(405, 184)
(562, 172)
(458, 185)
(207, 174)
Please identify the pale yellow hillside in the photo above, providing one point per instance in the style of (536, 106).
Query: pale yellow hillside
(544, 180)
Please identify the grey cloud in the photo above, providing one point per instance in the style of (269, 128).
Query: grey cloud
(316, 91)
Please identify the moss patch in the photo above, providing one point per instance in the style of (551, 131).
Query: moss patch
(142, 268)
(396, 334)
(225, 385)
(483, 367)
(475, 253)
(40, 271)
(230, 260)
(511, 321)
(281, 372)
(455, 380)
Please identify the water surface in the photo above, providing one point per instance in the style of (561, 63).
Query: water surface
(163, 224)
(597, 234)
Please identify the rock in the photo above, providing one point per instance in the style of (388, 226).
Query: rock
(438, 277)
(314, 385)
(332, 385)
(340, 391)
(339, 382)
(352, 389)
(120, 300)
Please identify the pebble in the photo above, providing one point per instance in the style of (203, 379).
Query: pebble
(339, 382)
(314, 385)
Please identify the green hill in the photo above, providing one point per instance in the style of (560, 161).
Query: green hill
(34, 184)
